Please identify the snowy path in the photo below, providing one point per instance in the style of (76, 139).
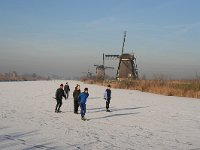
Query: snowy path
(137, 121)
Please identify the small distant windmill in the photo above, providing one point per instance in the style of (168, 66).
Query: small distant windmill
(127, 68)
(100, 70)
(88, 74)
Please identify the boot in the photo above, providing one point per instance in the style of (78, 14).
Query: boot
(107, 110)
(83, 118)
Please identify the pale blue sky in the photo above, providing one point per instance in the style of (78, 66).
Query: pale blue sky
(66, 37)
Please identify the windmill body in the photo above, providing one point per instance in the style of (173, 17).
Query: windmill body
(88, 74)
(100, 70)
(127, 68)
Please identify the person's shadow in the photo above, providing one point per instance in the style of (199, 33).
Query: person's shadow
(115, 110)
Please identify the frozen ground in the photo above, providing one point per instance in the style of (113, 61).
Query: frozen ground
(138, 120)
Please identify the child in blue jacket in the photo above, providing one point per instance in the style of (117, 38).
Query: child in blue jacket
(82, 98)
(107, 97)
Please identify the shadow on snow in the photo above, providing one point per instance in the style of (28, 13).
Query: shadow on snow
(115, 115)
(100, 109)
(13, 140)
(115, 110)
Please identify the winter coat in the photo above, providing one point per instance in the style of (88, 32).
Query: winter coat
(107, 94)
(60, 93)
(66, 88)
(82, 98)
(76, 94)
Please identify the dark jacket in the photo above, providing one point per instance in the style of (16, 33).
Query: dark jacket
(107, 94)
(82, 98)
(66, 88)
(60, 93)
(76, 94)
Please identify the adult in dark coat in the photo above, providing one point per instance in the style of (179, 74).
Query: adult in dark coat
(76, 93)
(67, 89)
(59, 94)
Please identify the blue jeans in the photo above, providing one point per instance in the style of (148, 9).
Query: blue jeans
(83, 109)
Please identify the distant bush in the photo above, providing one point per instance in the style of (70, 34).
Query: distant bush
(13, 76)
(183, 88)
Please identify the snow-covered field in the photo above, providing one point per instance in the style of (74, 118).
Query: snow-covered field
(138, 120)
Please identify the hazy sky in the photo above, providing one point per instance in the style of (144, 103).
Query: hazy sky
(66, 37)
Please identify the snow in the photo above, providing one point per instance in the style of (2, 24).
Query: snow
(137, 120)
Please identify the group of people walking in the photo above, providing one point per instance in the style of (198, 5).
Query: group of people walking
(80, 98)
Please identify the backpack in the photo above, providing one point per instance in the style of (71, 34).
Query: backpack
(105, 95)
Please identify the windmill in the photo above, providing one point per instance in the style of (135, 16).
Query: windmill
(127, 68)
(88, 73)
(100, 70)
